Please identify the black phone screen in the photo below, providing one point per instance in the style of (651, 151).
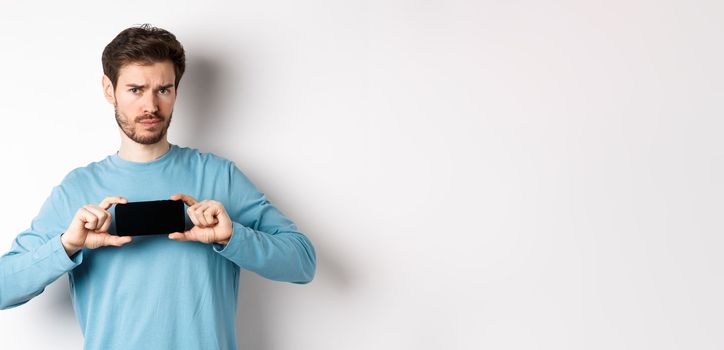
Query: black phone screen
(150, 218)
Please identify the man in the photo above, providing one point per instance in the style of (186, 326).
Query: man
(154, 291)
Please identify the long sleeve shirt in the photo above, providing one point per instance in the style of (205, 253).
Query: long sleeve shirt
(155, 292)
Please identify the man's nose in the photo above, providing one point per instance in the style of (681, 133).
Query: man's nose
(150, 103)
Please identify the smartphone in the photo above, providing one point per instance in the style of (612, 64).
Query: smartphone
(150, 218)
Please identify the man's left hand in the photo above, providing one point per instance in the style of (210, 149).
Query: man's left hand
(211, 222)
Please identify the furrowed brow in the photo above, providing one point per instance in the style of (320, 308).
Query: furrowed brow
(144, 86)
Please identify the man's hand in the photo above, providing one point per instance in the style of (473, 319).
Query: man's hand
(211, 222)
(89, 228)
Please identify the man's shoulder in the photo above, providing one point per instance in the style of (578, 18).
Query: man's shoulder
(204, 157)
(80, 173)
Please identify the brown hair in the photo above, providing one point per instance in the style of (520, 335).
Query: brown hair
(144, 44)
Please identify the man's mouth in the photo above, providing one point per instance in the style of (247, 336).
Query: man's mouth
(150, 122)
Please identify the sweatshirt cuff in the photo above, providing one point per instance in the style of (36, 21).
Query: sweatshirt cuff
(60, 256)
(237, 231)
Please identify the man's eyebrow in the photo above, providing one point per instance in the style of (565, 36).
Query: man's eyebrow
(144, 86)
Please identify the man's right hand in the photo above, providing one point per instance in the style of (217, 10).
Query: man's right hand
(89, 228)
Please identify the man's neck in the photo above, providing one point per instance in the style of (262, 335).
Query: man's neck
(136, 152)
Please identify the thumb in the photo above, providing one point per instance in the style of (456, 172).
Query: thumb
(116, 240)
(178, 236)
(194, 234)
(97, 240)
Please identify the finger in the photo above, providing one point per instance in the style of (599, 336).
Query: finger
(192, 215)
(209, 213)
(186, 198)
(102, 215)
(106, 224)
(200, 214)
(108, 201)
(89, 219)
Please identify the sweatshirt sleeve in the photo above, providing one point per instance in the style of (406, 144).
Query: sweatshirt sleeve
(37, 257)
(264, 240)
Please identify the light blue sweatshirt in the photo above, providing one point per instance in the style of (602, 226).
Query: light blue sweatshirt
(156, 293)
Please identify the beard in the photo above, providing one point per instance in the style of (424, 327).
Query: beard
(140, 134)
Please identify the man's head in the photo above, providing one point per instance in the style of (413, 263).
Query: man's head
(142, 69)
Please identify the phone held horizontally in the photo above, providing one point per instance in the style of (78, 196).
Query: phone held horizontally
(150, 218)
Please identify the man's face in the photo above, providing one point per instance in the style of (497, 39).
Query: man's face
(143, 100)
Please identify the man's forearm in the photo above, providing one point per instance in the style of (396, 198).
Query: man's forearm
(25, 274)
(285, 256)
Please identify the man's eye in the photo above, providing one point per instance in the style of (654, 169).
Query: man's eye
(133, 90)
(163, 91)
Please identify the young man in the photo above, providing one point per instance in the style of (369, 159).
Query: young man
(154, 291)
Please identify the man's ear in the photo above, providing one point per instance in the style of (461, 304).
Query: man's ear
(108, 91)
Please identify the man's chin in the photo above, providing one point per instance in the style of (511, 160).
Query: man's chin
(147, 142)
(146, 139)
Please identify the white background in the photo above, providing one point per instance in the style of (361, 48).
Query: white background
(473, 174)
